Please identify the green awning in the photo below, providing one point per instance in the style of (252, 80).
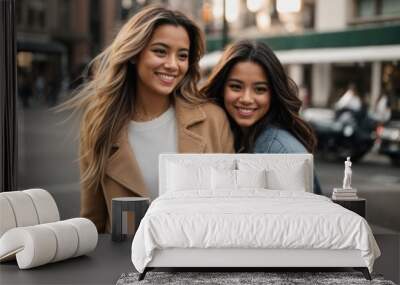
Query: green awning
(352, 37)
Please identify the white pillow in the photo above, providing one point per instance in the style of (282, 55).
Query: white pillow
(223, 179)
(293, 180)
(188, 177)
(235, 179)
(251, 178)
(199, 161)
(285, 174)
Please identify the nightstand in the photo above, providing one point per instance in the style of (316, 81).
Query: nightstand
(137, 205)
(358, 206)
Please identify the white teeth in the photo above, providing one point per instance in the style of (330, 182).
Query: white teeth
(166, 76)
(245, 111)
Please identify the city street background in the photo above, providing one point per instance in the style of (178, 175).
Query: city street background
(333, 50)
(49, 160)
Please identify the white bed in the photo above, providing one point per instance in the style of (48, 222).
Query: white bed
(247, 210)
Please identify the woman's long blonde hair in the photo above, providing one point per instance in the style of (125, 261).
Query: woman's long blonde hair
(108, 98)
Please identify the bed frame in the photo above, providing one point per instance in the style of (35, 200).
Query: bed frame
(246, 259)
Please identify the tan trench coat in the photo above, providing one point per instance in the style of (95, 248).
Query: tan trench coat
(201, 129)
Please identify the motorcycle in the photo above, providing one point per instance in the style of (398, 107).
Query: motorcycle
(342, 133)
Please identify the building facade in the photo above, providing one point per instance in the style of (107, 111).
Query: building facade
(56, 39)
(326, 45)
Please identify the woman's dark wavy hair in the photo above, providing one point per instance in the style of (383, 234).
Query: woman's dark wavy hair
(285, 104)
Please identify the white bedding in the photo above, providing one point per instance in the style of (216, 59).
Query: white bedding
(252, 218)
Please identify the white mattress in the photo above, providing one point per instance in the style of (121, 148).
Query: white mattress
(252, 218)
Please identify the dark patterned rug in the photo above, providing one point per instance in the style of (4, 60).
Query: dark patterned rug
(270, 278)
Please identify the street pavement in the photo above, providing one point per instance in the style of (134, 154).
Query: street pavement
(48, 148)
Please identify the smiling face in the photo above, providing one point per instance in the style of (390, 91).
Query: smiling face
(163, 62)
(246, 93)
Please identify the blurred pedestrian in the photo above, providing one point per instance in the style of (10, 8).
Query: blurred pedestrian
(24, 88)
(40, 87)
(54, 88)
(350, 99)
(351, 104)
(383, 111)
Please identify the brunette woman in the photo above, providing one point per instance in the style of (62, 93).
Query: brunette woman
(250, 83)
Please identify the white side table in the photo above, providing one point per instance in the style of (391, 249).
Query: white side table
(137, 205)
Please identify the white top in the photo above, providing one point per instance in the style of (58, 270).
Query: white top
(148, 140)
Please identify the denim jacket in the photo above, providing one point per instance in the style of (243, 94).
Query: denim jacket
(276, 140)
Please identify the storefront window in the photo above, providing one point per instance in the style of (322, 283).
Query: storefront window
(377, 8)
(365, 8)
(391, 7)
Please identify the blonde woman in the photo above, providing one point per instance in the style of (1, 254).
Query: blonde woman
(141, 101)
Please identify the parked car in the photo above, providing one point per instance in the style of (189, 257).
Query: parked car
(389, 137)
